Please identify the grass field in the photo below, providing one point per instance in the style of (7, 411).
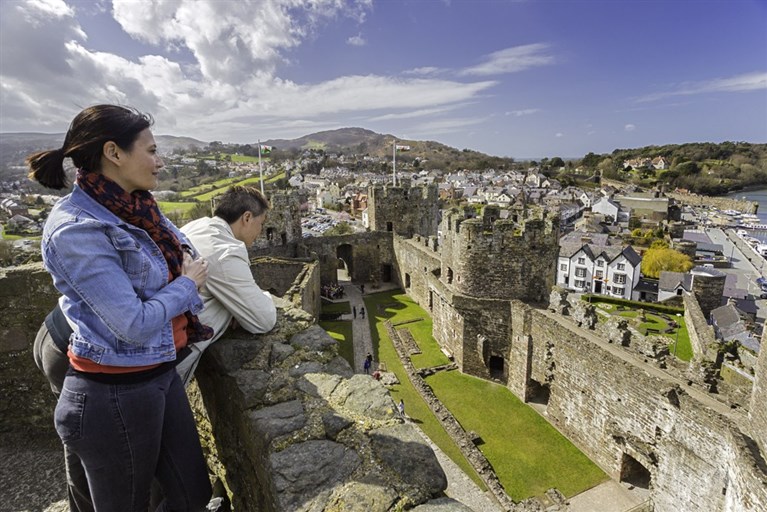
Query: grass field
(199, 189)
(168, 207)
(207, 196)
(341, 330)
(336, 308)
(679, 336)
(400, 308)
(528, 454)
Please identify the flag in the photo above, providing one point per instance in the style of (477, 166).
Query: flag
(265, 150)
(400, 147)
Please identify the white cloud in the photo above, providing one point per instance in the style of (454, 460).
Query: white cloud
(629, 127)
(57, 8)
(559, 135)
(415, 113)
(357, 40)
(233, 43)
(739, 83)
(512, 60)
(49, 73)
(425, 71)
(524, 112)
(442, 126)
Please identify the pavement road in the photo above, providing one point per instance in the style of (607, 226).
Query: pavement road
(745, 271)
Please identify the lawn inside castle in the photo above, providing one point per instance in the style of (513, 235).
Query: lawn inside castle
(646, 320)
(528, 455)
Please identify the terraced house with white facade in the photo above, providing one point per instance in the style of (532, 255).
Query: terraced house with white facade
(594, 263)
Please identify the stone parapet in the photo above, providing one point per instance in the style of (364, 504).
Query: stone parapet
(295, 429)
(26, 296)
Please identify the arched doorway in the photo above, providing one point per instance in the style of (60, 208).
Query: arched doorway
(345, 257)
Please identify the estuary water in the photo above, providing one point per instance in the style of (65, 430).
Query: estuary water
(760, 196)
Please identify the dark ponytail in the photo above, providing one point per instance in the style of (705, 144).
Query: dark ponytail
(47, 168)
(84, 143)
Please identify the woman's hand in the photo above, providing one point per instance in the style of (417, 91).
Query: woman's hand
(196, 270)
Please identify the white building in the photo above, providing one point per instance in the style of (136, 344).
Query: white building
(589, 263)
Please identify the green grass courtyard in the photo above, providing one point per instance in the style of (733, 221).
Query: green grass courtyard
(528, 454)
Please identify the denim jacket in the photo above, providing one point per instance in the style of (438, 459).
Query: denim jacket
(114, 280)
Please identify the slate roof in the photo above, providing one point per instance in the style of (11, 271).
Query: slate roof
(670, 281)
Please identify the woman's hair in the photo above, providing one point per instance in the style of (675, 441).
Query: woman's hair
(85, 140)
(238, 200)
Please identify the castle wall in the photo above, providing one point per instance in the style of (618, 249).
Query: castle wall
(403, 210)
(610, 404)
(370, 252)
(282, 228)
(486, 335)
(298, 281)
(26, 296)
(417, 264)
(500, 259)
(722, 203)
(702, 337)
(758, 410)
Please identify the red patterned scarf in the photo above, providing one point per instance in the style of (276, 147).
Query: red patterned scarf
(140, 209)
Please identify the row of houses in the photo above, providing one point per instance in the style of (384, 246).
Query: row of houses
(658, 162)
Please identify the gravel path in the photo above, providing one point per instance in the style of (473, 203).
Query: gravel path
(459, 486)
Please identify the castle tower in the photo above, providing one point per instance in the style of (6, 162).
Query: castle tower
(495, 258)
(686, 247)
(283, 223)
(403, 210)
(708, 287)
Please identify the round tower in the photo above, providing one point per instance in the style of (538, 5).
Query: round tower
(708, 287)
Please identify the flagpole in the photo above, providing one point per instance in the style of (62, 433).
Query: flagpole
(260, 167)
(394, 163)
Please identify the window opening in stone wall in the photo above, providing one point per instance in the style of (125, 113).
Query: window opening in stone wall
(407, 280)
(386, 273)
(389, 226)
(449, 275)
(431, 300)
(284, 237)
(270, 234)
(496, 365)
(634, 473)
(539, 393)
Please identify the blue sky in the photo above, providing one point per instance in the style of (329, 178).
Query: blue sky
(520, 78)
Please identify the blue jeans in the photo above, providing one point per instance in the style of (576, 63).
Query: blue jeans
(128, 434)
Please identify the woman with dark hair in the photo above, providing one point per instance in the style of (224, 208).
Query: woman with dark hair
(130, 296)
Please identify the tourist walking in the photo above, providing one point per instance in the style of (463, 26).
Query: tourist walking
(368, 362)
(362, 311)
(401, 408)
(130, 294)
(354, 311)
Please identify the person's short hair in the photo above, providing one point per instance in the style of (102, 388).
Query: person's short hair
(237, 200)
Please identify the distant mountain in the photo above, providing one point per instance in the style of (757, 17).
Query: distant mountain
(15, 147)
(360, 141)
(342, 139)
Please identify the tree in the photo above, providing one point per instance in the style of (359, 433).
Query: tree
(591, 160)
(556, 163)
(342, 228)
(658, 259)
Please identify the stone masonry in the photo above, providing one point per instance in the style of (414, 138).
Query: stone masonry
(286, 424)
